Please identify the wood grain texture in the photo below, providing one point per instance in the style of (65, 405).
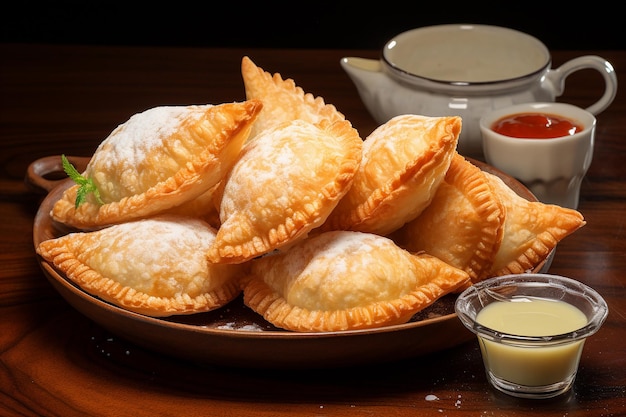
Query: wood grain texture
(56, 362)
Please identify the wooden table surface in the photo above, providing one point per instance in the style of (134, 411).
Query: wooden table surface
(56, 362)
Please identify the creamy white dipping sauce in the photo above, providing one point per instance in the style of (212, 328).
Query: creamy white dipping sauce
(532, 365)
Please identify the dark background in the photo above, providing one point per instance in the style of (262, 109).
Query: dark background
(323, 24)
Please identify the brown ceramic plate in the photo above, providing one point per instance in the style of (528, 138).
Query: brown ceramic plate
(236, 336)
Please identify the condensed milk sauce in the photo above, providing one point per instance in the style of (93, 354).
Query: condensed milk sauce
(531, 365)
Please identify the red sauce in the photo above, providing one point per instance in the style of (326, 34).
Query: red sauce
(535, 126)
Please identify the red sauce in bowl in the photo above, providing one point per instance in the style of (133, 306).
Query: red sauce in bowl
(536, 126)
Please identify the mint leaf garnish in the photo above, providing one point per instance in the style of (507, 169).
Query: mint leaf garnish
(86, 185)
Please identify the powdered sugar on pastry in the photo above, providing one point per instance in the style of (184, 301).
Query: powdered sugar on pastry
(155, 266)
(344, 280)
(138, 145)
(159, 159)
(146, 255)
(285, 183)
(133, 140)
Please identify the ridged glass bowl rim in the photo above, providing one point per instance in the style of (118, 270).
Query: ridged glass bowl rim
(547, 286)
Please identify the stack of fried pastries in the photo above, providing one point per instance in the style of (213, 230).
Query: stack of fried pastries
(279, 197)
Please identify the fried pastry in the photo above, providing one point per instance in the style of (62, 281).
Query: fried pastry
(344, 280)
(159, 159)
(285, 183)
(404, 161)
(282, 99)
(156, 266)
(532, 230)
(464, 223)
(204, 207)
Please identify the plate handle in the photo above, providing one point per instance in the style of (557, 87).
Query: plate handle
(46, 173)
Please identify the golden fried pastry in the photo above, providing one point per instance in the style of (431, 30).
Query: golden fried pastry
(204, 207)
(464, 223)
(404, 161)
(282, 99)
(344, 280)
(159, 159)
(285, 183)
(154, 266)
(531, 230)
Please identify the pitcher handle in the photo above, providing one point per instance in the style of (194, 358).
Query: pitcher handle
(597, 63)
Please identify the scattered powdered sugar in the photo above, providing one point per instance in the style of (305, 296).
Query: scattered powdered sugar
(292, 164)
(385, 139)
(365, 252)
(164, 232)
(343, 269)
(332, 248)
(170, 248)
(144, 131)
(349, 242)
(234, 326)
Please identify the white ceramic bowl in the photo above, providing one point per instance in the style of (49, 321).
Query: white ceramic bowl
(552, 169)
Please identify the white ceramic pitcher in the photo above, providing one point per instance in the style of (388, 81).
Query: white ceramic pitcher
(466, 70)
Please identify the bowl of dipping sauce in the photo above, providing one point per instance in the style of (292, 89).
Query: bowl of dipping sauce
(531, 329)
(535, 125)
(547, 146)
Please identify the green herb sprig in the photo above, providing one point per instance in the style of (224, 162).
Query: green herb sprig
(86, 185)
